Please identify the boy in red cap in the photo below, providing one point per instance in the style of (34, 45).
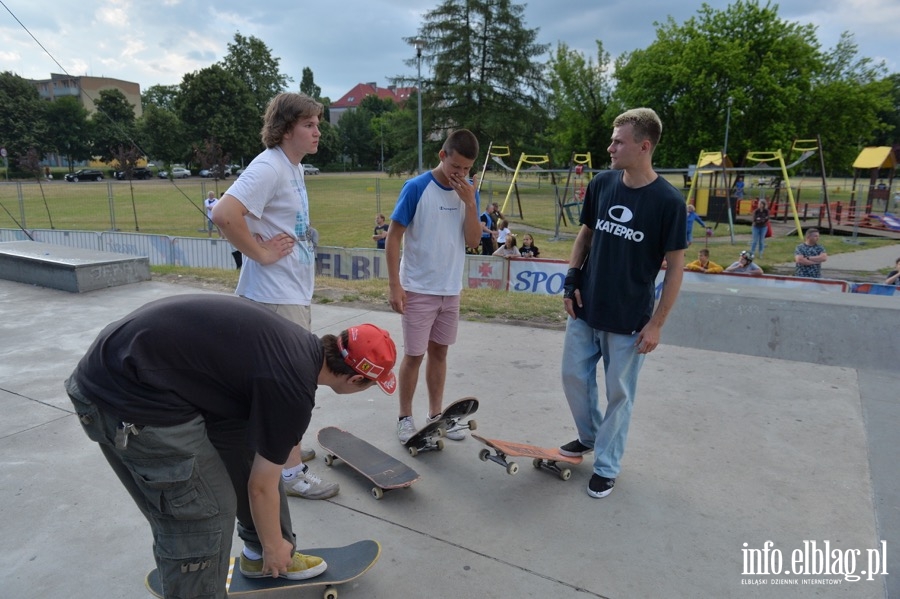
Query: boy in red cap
(196, 402)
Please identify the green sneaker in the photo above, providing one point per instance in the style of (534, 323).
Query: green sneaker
(303, 567)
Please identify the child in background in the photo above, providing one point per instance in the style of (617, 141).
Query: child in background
(502, 232)
(528, 249)
(508, 249)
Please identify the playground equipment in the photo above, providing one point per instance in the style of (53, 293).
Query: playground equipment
(715, 164)
(576, 166)
(874, 159)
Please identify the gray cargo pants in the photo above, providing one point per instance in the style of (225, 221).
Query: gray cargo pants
(189, 481)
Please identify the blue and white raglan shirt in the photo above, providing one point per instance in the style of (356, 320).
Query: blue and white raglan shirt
(434, 244)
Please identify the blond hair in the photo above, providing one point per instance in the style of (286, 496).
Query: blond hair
(645, 124)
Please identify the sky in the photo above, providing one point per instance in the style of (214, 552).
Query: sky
(352, 41)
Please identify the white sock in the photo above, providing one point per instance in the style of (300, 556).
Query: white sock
(250, 554)
(292, 473)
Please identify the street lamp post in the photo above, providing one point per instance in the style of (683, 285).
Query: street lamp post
(419, 43)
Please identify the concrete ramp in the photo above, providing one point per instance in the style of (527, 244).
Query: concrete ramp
(69, 269)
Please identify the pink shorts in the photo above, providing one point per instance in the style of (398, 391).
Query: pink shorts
(429, 318)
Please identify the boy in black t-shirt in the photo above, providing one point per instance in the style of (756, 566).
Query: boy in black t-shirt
(196, 402)
(631, 221)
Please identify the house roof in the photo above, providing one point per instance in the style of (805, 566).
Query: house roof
(353, 97)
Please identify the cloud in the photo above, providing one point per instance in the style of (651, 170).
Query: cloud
(353, 41)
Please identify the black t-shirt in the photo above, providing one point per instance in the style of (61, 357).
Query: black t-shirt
(529, 252)
(379, 229)
(219, 356)
(632, 231)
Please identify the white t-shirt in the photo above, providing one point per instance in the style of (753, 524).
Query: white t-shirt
(209, 203)
(274, 192)
(434, 243)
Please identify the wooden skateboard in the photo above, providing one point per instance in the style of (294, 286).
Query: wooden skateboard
(344, 564)
(544, 458)
(424, 439)
(385, 471)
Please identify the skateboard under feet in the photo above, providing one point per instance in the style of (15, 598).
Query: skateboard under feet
(543, 458)
(428, 438)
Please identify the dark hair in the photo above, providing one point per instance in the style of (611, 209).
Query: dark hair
(333, 358)
(462, 141)
(283, 112)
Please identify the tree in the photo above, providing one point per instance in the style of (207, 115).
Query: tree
(22, 124)
(580, 93)
(162, 135)
(308, 86)
(112, 124)
(889, 133)
(252, 62)
(356, 139)
(162, 96)
(215, 104)
(484, 74)
(847, 97)
(779, 80)
(68, 129)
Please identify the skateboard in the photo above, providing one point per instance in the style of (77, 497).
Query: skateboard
(544, 458)
(424, 439)
(385, 471)
(344, 564)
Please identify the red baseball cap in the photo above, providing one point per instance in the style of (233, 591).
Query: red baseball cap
(371, 352)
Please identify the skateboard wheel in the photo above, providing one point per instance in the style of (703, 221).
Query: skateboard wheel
(329, 460)
(330, 593)
(439, 444)
(536, 462)
(441, 432)
(413, 451)
(377, 492)
(483, 454)
(565, 474)
(512, 468)
(472, 425)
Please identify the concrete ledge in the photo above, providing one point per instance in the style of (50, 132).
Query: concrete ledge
(835, 329)
(67, 268)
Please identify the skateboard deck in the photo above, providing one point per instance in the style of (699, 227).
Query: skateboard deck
(424, 439)
(344, 565)
(544, 458)
(386, 472)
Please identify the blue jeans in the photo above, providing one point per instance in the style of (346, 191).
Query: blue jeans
(759, 239)
(583, 348)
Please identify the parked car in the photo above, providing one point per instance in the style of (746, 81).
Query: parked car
(214, 172)
(140, 172)
(85, 174)
(309, 169)
(177, 173)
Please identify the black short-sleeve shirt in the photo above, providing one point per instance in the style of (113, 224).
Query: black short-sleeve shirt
(214, 355)
(632, 231)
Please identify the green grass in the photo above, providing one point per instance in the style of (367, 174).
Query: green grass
(343, 209)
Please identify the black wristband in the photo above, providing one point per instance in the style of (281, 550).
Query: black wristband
(572, 282)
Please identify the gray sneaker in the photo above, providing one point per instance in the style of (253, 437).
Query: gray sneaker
(406, 428)
(309, 486)
(454, 432)
(307, 454)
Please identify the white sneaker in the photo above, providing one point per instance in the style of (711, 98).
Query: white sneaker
(309, 486)
(406, 428)
(454, 432)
